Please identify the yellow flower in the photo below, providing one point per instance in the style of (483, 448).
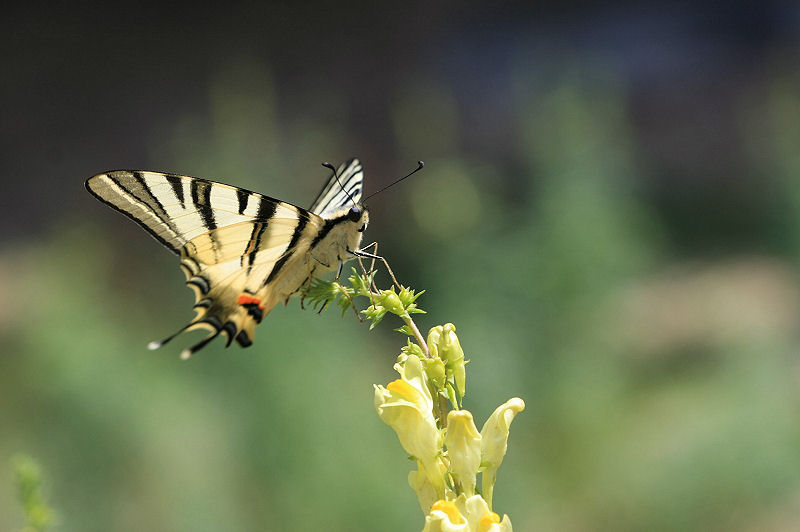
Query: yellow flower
(465, 515)
(406, 405)
(426, 493)
(494, 442)
(463, 448)
(480, 517)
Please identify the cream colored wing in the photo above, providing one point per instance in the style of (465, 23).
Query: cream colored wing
(240, 272)
(233, 242)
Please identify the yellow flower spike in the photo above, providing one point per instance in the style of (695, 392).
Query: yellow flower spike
(463, 448)
(406, 405)
(494, 442)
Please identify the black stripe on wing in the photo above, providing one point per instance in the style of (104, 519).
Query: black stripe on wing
(290, 249)
(175, 209)
(266, 211)
(90, 183)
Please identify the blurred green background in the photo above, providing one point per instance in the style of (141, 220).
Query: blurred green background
(608, 213)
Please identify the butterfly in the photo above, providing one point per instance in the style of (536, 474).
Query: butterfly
(242, 252)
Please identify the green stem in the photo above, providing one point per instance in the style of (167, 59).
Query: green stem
(413, 326)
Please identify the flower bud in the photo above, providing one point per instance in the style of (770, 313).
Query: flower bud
(413, 349)
(392, 303)
(434, 368)
(407, 296)
(443, 343)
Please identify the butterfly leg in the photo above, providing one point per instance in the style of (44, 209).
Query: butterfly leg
(364, 271)
(364, 254)
(307, 284)
(316, 259)
(339, 270)
(374, 247)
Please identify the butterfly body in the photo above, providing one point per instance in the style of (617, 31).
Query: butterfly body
(242, 252)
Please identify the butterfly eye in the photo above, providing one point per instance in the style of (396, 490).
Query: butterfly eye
(354, 214)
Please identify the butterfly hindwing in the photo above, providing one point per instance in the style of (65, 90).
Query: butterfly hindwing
(342, 192)
(241, 252)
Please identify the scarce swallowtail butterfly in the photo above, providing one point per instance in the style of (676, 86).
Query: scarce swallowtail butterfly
(242, 252)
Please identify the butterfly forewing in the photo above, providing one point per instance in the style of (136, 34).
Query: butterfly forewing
(242, 252)
(176, 208)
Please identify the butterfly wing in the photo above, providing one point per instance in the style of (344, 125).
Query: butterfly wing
(334, 196)
(233, 243)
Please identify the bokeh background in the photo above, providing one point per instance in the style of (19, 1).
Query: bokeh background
(609, 213)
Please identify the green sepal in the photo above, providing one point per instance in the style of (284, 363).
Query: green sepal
(412, 348)
(405, 329)
(408, 296)
(452, 396)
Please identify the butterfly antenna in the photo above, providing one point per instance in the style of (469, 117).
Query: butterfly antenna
(420, 164)
(326, 164)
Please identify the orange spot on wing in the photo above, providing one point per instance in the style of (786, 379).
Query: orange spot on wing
(246, 299)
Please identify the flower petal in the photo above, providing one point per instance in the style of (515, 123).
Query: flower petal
(494, 442)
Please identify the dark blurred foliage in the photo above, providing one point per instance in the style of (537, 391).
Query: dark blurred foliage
(608, 213)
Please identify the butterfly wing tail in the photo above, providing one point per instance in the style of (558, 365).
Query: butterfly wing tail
(238, 324)
(222, 308)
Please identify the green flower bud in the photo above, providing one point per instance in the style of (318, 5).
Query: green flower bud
(434, 335)
(375, 314)
(391, 302)
(443, 343)
(408, 296)
(434, 369)
(413, 349)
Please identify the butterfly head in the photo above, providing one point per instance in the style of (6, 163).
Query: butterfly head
(359, 216)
